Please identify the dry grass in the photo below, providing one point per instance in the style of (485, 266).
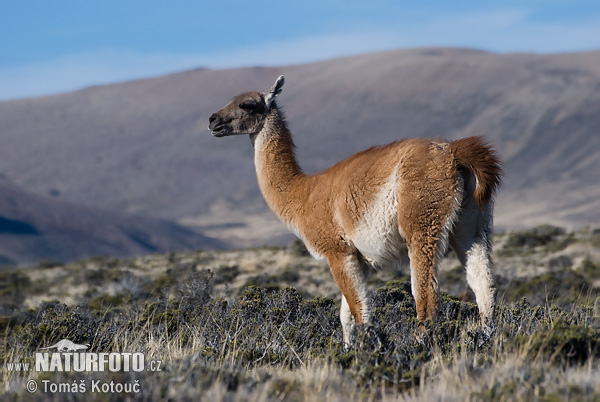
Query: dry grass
(226, 326)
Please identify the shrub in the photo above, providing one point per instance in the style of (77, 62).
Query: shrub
(538, 236)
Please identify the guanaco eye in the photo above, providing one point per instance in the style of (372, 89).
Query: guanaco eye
(249, 106)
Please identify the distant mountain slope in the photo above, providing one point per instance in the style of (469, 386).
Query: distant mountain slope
(36, 227)
(143, 146)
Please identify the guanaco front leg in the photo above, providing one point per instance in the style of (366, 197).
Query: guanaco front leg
(351, 276)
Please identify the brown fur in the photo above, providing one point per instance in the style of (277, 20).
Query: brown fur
(427, 201)
(343, 213)
(477, 156)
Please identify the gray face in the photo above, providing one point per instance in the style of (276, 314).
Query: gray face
(244, 115)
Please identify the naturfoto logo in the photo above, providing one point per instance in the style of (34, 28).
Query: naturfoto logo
(70, 357)
(65, 345)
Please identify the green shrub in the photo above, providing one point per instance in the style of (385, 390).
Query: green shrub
(539, 236)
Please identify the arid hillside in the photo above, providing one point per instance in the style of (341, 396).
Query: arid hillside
(35, 228)
(142, 147)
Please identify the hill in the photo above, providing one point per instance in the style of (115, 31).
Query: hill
(34, 228)
(142, 146)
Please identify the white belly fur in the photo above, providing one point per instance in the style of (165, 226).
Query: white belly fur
(378, 237)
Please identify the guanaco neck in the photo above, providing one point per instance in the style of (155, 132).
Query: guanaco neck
(280, 178)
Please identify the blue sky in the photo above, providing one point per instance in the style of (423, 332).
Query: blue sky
(62, 45)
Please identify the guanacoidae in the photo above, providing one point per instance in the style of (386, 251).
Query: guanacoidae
(411, 198)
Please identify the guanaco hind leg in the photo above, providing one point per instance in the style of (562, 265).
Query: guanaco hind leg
(423, 273)
(472, 241)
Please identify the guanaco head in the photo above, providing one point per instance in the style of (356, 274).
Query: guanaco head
(246, 113)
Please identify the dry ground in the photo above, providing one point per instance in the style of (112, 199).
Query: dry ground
(262, 324)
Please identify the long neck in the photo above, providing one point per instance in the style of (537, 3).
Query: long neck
(280, 179)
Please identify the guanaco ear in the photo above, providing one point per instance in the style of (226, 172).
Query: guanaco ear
(271, 93)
